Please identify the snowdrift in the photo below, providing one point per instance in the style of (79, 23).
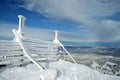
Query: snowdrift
(60, 70)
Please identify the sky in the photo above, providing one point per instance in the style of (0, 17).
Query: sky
(80, 21)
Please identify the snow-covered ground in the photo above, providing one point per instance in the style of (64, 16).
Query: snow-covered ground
(98, 62)
(60, 70)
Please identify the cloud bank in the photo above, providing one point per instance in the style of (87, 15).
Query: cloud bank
(6, 31)
(83, 12)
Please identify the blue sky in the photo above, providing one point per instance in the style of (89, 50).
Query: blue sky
(76, 20)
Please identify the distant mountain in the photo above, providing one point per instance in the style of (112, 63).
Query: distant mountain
(114, 44)
(115, 51)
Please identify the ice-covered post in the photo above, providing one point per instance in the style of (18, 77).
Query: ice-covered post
(56, 38)
(56, 41)
(21, 23)
(20, 28)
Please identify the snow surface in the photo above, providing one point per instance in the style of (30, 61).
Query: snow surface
(60, 70)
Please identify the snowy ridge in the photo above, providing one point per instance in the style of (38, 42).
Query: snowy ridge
(59, 70)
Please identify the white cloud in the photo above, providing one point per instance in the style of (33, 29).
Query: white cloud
(6, 31)
(106, 30)
(83, 12)
(78, 10)
(78, 7)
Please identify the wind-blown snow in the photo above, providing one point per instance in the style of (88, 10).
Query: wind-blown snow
(60, 70)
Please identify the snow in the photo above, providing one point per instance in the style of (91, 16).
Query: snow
(94, 65)
(110, 63)
(59, 70)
